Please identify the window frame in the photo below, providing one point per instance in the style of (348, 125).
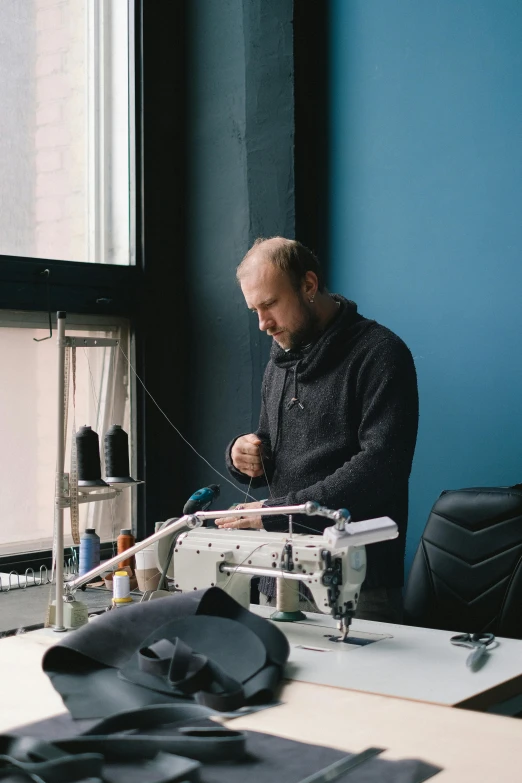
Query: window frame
(47, 285)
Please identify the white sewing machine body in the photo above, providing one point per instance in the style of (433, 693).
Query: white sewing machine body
(230, 558)
(331, 565)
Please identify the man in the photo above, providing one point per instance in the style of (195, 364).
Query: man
(339, 414)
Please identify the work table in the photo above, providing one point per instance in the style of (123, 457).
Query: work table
(471, 746)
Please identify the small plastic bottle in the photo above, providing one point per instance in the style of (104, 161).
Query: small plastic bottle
(89, 550)
(124, 541)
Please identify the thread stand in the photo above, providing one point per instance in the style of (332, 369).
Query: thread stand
(64, 498)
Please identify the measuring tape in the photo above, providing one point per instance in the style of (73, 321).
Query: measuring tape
(73, 475)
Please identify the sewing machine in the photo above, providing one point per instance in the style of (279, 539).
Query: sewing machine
(332, 565)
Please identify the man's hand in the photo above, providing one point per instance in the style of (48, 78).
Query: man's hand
(243, 522)
(246, 455)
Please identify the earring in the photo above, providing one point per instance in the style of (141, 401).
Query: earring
(311, 300)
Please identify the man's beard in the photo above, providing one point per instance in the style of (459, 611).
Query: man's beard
(307, 333)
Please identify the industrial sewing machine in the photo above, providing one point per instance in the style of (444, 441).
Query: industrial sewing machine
(332, 565)
(332, 568)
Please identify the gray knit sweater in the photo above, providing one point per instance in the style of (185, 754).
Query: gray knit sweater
(339, 425)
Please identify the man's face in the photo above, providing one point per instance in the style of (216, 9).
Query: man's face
(284, 313)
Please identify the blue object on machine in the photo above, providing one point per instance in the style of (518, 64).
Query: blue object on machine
(199, 501)
(202, 499)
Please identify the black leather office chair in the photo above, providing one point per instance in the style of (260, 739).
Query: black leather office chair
(467, 572)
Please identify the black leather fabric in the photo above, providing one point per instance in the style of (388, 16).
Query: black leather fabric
(224, 756)
(467, 572)
(221, 654)
(112, 751)
(218, 674)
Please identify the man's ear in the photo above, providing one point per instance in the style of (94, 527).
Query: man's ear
(310, 284)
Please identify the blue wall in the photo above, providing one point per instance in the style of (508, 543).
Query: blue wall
(426, 218)
(241, 185)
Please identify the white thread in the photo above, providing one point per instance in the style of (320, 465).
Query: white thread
(113, 526)
(121, 586)
(287, 595)
(112, 375)
(289, 584)
(312, 530)
(241, 563)
(113, 500)
(176, 429)
(306, 527)
(264, 471)
(93, 386)
(248, 495)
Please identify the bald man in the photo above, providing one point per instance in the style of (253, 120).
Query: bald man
(339, 414)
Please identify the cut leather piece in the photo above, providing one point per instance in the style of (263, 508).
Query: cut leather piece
(217, 603)
(209, 742)
(267, 759)
(234, 651)
(100, 692)
(260, 688)
(205, 747)
(173, 715)
(229, 654)
(177, 664)
(35, 757)
(96, 669)
(161, 755)
(59, 763)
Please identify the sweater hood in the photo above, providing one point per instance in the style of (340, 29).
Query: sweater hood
(333, 343)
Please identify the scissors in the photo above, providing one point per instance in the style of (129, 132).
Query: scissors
(479, 643)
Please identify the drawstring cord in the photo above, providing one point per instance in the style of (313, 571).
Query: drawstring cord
(295, 398)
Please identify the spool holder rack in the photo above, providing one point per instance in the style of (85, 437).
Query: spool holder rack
(14, 580)
(62, 498)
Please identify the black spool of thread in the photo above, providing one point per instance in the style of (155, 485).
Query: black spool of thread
(88, 458)
(116, 444)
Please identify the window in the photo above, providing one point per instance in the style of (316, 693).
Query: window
(28, 424)
(67, 194)
(65, 176)
(123, 75)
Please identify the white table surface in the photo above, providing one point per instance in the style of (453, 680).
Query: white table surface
(407, 662)
(471, 747)
(26, 692)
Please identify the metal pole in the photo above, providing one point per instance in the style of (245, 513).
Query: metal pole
(273, 572)
(60, 463)
(253, 512)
